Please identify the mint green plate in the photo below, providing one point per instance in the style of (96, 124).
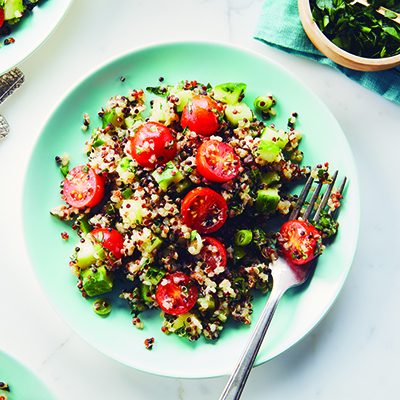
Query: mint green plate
(32, 31)
(24, 383)
(299, 311)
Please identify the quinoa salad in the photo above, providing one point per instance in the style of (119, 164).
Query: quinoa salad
(178, 199)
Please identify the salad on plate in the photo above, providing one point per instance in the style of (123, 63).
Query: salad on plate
(11, 12)
(184, 204)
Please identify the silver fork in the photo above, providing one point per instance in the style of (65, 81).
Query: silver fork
(285, 275)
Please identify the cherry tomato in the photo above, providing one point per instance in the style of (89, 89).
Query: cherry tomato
(300, 241)
(110, 240)
(176, 293)
(204, 210)
(217, 161)
(201, 115)
(1, 17)
(83, 187)
(213, 254)
(152, 144)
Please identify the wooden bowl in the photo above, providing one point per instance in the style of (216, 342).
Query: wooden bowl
(336, 54)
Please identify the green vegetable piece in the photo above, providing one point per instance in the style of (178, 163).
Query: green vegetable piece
(154, 275)
(239, 252)
(206, 304)
(83, 225)
(268, 151)
(85, 254)
(238, 112)
(182, 97)
(167, 176)
(131, 211)
(158, 109)
(151, 245)
(267, 200)
(110, 118)
(123, 165)
(144, 292)
(13, 10)
(243, 237)
(326, 224)
(97, 280)
(263, 103)
(270, 178)
(272, 135)
(230, 93)
(102, 307)
(183, 185)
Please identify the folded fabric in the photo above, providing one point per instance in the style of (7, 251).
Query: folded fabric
(279, 26)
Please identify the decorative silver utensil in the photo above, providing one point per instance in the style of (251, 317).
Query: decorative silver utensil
(9, 83)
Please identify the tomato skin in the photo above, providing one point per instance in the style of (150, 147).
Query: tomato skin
(213, 259)
(300, 241)
(176, 293)
(201, 115)
(217, 161)
(204, 210)
(83, 187)
(109, 239)
(1, 17)
(152, 145)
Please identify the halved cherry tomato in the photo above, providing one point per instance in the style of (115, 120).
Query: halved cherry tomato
(201, 115)
(217, 161)
(176, 293)
(204, 210)
(1, 17)
(300, 241)
(152, 144)
(83, 187)
(110, 240)
(213, 254)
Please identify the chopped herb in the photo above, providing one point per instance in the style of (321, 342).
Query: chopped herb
(98, 143)
(127, 193)
(358, 29)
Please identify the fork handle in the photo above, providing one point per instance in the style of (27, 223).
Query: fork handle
(238, 379)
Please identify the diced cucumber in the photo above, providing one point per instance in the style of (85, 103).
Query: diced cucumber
(144, 291)
(184, 96)
(131, 211)
(267, 150)
(270, 177)
(13, 10)
(85, 256)
(83, 225)
(272, 135)
(97, 280)
(87, 253)
(238, 112)
(183, 185)
(167, 176)
(151, 245)
(230, 93)
(153, 275)
(267, 200)
(111, 117)
(206, 304)
(158, 109)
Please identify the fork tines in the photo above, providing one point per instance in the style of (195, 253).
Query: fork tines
(304, 193)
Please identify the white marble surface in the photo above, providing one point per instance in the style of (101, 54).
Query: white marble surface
(352, 353)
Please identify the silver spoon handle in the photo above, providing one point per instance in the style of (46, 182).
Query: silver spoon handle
(238, 379)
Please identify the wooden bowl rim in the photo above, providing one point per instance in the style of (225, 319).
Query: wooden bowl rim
(335, 53)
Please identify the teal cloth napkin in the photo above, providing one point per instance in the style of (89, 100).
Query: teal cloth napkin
(279, 26)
